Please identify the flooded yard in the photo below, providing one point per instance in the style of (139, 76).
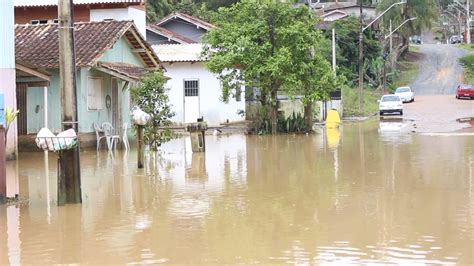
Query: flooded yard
(366, 193)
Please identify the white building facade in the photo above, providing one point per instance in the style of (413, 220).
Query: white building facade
(194, 91)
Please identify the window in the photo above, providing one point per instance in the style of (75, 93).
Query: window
(191, 88)
(95, 94)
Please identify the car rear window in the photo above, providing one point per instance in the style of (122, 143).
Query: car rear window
(403, 90)
(391, 98)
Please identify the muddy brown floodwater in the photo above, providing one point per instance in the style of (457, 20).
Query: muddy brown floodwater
(364, 194)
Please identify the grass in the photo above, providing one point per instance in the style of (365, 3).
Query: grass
(468, 47)
(407, 69)
(468, 62)
(351, 102)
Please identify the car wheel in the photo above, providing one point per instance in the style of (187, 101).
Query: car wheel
(381, 113)
(412, 100)
(457, 97)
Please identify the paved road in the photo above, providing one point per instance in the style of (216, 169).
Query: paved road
(440, 71)
(435, 108)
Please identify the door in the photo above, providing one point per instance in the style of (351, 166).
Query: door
(21, 105)
(115, 104)
(191, 101)
(35, 110)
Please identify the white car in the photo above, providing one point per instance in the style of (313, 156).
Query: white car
(406, 94)
(390, 103)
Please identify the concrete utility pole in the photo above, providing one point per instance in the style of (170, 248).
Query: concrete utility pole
(361, 62)
(334, 50)
(69, 179)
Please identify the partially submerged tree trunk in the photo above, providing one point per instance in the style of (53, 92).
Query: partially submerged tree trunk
(308, 115)
(274, 111)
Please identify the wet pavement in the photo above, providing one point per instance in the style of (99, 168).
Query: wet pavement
(367, 193)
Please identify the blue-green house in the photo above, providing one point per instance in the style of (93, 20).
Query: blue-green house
(110, 57)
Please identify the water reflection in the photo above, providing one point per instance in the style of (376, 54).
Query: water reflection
(346, 196)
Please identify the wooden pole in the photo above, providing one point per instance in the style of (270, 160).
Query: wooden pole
(3, 169)
(69, 178)
(141, 150)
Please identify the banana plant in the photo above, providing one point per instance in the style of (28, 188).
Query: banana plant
(10, 116)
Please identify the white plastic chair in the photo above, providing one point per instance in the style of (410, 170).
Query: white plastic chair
(110, 135)
(125, 136)
(99, 134)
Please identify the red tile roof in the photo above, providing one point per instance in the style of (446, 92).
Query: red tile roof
(194, 20)
(37, 45)
(169, 34)
(128, 70)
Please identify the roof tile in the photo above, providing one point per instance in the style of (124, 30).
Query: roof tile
(38, 45)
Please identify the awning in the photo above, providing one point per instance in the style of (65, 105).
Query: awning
(122, 71)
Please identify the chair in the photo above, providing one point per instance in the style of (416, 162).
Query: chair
(99, 134)
(125, 136)
(110, 135)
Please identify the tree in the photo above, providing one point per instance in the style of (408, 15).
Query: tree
(347, 46)
(263, 44)
(151, 96)
(425, 12)
(156, 9)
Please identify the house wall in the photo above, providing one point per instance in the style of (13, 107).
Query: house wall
(24, 15)
(185, 29)
(153, 38)
(121, 52)
(87, 117)
(7, 69)
(128, 13)
(211, 107)
(35, 97)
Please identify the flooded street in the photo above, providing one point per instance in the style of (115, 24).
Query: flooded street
(364, 194)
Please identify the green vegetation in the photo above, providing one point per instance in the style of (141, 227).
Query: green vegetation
(468, 64)
(351, 102)
(347, 50)
(156, 9)
(151, 96)
(405, 76)
(425, 12)
(468, 47)
(275, 51)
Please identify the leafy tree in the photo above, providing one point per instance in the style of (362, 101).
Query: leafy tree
(151, 96)
(347, 47)
(156, 9)
(263, 44)
(425, 12)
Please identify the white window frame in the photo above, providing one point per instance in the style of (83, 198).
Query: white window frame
(198, 87)
(102, 101)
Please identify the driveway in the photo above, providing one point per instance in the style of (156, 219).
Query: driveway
(435, 108)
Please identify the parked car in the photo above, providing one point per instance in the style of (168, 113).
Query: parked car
(465, 91)
(406, 94)
(455, 39)
(390, 103)
(416, 39)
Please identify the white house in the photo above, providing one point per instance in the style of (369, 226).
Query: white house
(193, 90)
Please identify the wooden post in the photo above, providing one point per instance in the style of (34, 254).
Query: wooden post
(69, 178)
(3, 169)
(141, 150)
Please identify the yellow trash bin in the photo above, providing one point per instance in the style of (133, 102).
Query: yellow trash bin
(333, 120)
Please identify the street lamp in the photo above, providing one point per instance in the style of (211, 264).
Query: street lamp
(385, 38)
(361, 50)
(468, 19)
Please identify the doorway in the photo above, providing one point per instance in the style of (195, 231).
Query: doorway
(191, 101)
